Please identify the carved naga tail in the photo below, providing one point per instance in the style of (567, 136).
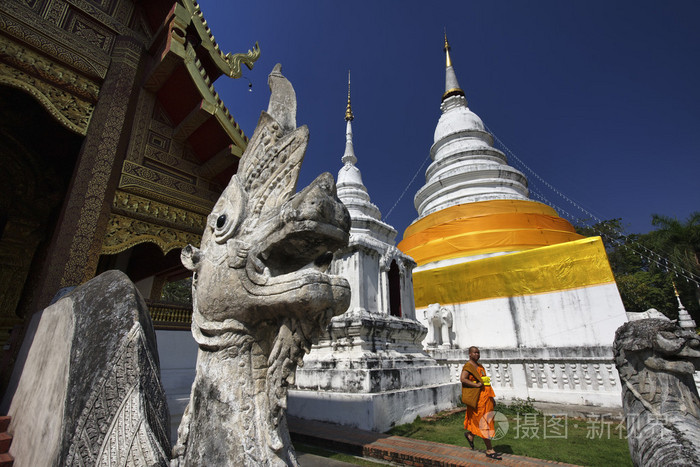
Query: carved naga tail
(261, 294)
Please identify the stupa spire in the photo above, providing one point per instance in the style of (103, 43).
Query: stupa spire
(447, 52)
(451, 85)
(349, 156)
(348, 111)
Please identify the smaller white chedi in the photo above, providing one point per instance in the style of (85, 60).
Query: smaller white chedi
(369, 369)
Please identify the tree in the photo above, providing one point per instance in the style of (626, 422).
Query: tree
(681, 241)
(644, 279)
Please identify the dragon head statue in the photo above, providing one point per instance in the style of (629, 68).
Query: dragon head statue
(262, 292)
(657, 345)
(266, 251)
(656, 360)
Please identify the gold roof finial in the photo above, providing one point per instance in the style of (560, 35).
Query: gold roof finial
(447, 51)
(348, 112)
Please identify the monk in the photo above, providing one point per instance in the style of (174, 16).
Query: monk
(479, 421)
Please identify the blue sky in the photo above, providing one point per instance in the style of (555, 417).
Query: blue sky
(599, 99)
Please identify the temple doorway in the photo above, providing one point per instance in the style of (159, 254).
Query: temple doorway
(394, 290)
(38, 156)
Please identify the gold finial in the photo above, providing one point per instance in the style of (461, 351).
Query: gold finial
(675, 290)
(447, 51)
(348, 112)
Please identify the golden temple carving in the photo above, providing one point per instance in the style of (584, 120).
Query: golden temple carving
(46, 28)
(170, 315)
(164, 193)
(231, 62)
(236, 60)
(125, 232)
(137, 206)
(41, 78)
(48, 69)
(110, 72)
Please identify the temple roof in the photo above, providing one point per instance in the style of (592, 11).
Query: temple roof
(189, 61)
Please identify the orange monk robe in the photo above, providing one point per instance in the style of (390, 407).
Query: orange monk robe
(479, 421)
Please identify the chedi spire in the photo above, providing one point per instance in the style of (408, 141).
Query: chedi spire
(349, 156)
(451, 85)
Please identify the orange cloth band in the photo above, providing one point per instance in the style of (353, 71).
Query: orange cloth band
(486, 227)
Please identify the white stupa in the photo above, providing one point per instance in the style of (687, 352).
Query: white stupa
(538, 299)
(369, 369)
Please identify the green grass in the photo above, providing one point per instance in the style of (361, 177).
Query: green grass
(589, 442)
(301, 448)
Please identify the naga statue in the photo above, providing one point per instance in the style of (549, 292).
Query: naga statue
(261, 293)
(656, 360)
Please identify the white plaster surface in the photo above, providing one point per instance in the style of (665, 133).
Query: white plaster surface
(177, 351)
(586, 316)
(466, 167)
(373, 412)
(37, 407)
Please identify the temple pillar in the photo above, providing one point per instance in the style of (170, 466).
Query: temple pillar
(77, 241)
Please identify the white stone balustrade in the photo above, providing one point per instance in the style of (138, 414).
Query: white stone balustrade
(545, 374)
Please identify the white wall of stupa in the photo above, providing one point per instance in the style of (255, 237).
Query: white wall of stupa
(369, 369)
(539, 300)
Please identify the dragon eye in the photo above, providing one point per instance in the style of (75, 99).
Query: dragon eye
(221, 221)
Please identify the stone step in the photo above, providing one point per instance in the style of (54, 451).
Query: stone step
(6, 460)
(5, 442)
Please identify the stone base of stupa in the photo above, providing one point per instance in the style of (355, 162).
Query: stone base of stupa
(564, 375)
(369, 371)
(553, 347)
(374, 412)
(544, 320)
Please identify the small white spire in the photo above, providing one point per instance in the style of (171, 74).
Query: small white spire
(684, 319)
(349, 156)
(348, 111)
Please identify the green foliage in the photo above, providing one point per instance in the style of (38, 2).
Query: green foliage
(642, 290)
(517, 406)
(680, 240)
(178, 291)
(646, 280)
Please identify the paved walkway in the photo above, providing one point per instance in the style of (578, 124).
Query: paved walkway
(395, 449)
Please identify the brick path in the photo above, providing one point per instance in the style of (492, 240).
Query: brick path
(397, 449)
